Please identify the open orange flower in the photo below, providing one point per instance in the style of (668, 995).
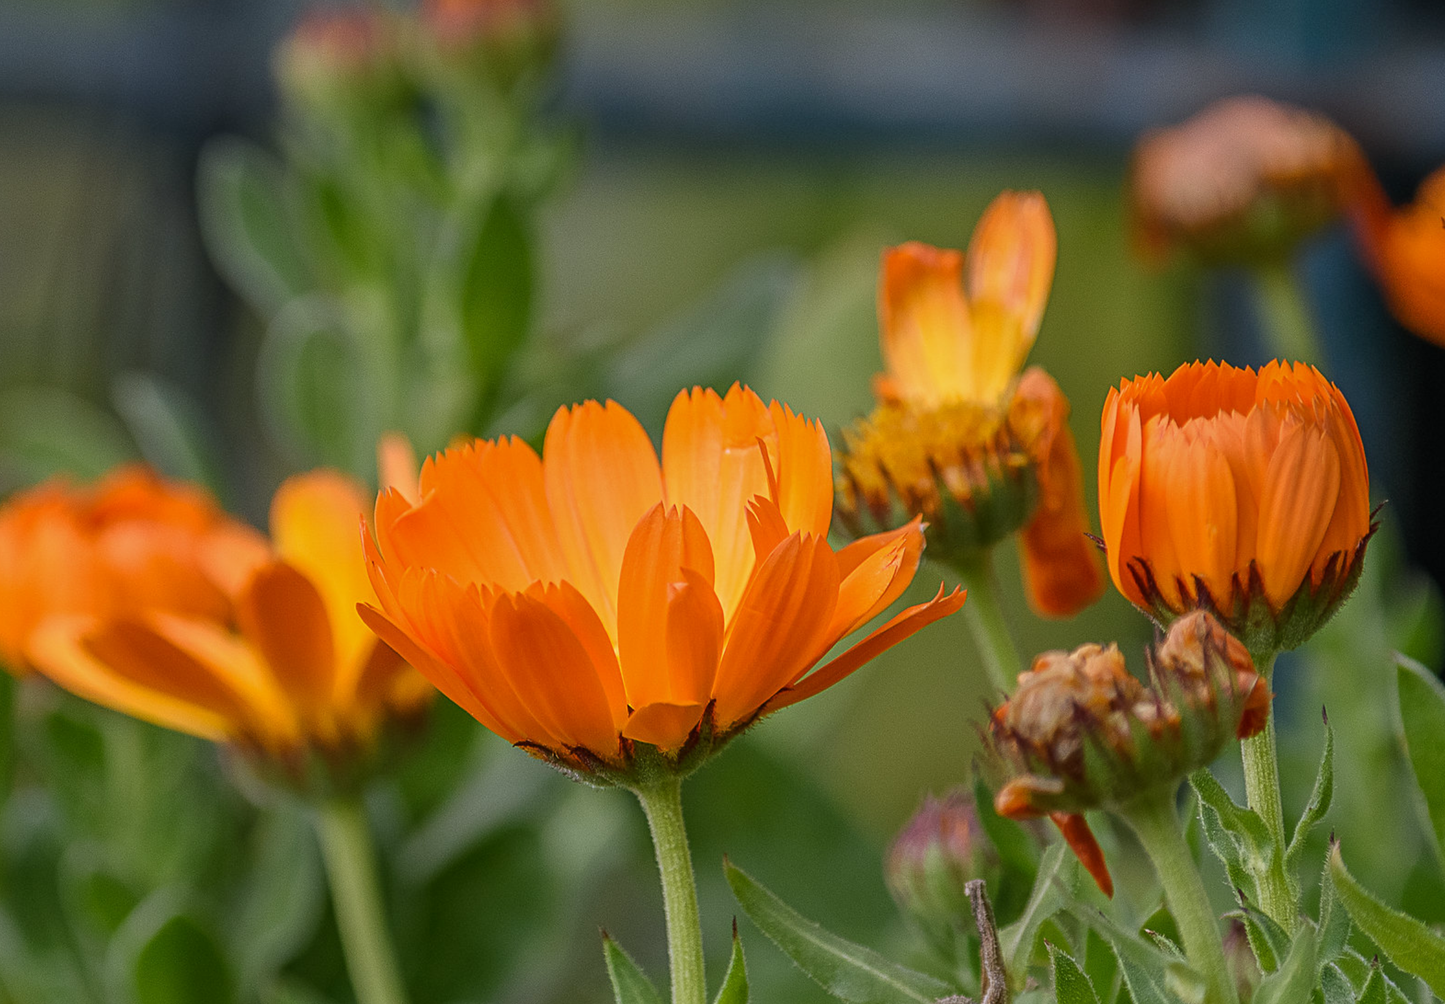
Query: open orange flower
(276, 661)
(959, 437)
(132, 541)
(1244, 493)
(1406, 248)
(593, 599)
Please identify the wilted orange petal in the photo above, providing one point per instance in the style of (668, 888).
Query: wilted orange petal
(283, 615)
(602, 476)
(1080, 839)
(896, 630)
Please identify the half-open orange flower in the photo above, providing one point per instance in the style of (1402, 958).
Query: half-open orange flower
(593, 599)
(276, 662)
(129, 542)
(959, 437)
(1406, 248)
(1224, 488)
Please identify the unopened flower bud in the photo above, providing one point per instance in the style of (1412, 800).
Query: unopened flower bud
(932, 860)
(337, 57)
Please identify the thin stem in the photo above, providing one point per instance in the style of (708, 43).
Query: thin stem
(1157, 824)
(1288, 326)
(986, 621)
(351, 869)
(1261, 791)
(662, 802)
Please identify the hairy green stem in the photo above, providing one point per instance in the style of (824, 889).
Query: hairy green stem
(986, 621)
(1156, 822)
(1288, 326)
(350, 859)
(1261, 791)
(662, 802)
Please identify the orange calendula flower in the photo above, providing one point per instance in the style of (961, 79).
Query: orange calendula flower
(1406, 248)
(130, 542)
(279, 665)
(1244, 180)
(1243, 493)
(959, 437)
(1082, 733)
(595, 605)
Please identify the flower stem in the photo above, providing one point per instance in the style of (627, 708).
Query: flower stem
(662, 802)
(1156, 822)
(1261, 790)
(986, 621)
(1288, 327)
(350, 861)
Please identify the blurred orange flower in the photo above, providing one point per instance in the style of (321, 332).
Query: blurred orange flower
(592, 599)
(959, 436)
(275, 661)
(130, 542)
(1224, 488)
(1407, 250)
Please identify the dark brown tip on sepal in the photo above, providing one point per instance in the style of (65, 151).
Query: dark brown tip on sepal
(1325, 714)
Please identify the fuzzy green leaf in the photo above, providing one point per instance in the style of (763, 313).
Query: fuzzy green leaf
(1374, 991)
(1226, 849)
(1294, 981)
(1319, 802)
(1101, 966)
(734, 988)
(1270, 942)
(847, 971)
(1253, 836)
(1422, 714)
(630, 984)
(1410, 944)
(1144, 972)
(1335, 986)
(1053, 890)
(1071, 986)
(495, 295)
(1334, 919)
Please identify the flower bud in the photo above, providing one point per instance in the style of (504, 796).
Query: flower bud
(932, 860)
(1241, 182)
(338, 58)
(498, 39)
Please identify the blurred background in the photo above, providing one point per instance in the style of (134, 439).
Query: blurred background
(735, 169)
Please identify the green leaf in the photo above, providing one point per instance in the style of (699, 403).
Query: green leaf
(734, 988)
(630, 984)
(847, 971)
(181, 964)
(1071, 986)
(1270, 942)
(248, 225)
(168, 427)
(1101, 965)
(1334, 919)
(1294, 981)
(1226, 848)
(1335, 986)
(1319, 802)
(1144, 972)
(1410, 944)
(283, 898)
(1422, 715)
(1017, 850)
(1374, 991)
(1053, 889)
(1253, 836)
(495, 290)
(45, 431)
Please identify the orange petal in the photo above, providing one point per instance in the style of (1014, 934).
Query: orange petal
(664, 725)
(694, 637)
(880, 641)
(805, 471)
(230, 555)
(396, 466)
(876, 570)
(1301, 491)
(1080, 839)
(924, 324)
(1204, 515)
(602, 476)
(780, 628)
(1011, 259)
(284, 616)
(566, 602)
(553, 675)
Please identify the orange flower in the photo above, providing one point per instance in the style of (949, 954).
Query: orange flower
(1243, 493)
(591, 600)
(1243, 180)
(279, 663)
(131, 541)
(959, 436)
(1407, 251)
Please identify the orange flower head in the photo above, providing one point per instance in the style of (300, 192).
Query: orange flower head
(1238, 492)
(1406, 248)
(132, 541)
(280, 666)
(1082, 733)
(612, 613)
(1242, 181)
(960, 438)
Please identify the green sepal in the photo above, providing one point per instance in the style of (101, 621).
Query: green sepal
(1071, 985)
(734, 989)
(1410, 944)
(630, 984)
(847, 971)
